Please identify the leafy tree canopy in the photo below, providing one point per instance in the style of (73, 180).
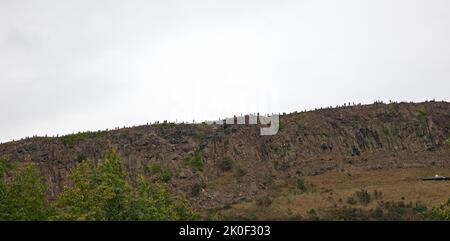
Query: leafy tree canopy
(96, 193)
(22, 192)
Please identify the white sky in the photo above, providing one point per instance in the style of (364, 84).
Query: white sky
(80, 65)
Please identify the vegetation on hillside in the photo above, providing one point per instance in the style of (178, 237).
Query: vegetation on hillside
(225, 164)
(98, 192)
(72, 139)
(384, 211)
(102, 192)
(194, 162)
(447, 142)
(22, 193)
(441, 213)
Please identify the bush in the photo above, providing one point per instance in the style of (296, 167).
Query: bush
(363, 196)
(194, 162)
(80, 158)
(155, 168)
(440, 213)
(312, 215)
(225, 164)
(166, 175)
(301, 184)
(447, 142)
(281, 125)
(422, 111)
(159, 173)
(324, 132)
(377, 194)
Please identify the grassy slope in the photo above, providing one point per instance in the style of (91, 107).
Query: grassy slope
(334, 188)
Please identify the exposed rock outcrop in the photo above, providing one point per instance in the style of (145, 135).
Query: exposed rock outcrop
(378, 136)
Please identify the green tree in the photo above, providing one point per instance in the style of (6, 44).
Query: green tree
(154, 202)
(98, 192)
(103, 193)
(22, 193)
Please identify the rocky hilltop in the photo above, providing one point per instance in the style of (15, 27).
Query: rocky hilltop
(237, 164)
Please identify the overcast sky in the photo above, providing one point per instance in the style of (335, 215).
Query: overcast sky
(79, 65)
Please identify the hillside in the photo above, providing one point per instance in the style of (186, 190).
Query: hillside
(317, 158)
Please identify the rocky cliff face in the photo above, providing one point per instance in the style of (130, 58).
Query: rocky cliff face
(378, 136)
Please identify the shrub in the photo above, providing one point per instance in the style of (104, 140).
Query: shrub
(301, 184)
(225, 164)
(312, 215)
(159, 173)
(194, 162)
(422, 111)
(447, 142)
(323, 132)
(440, 213)
(155, 168)
(80, 158)
(363, 196)
(300, 125)
(377, 194)
(281, 125)
(166, 175)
